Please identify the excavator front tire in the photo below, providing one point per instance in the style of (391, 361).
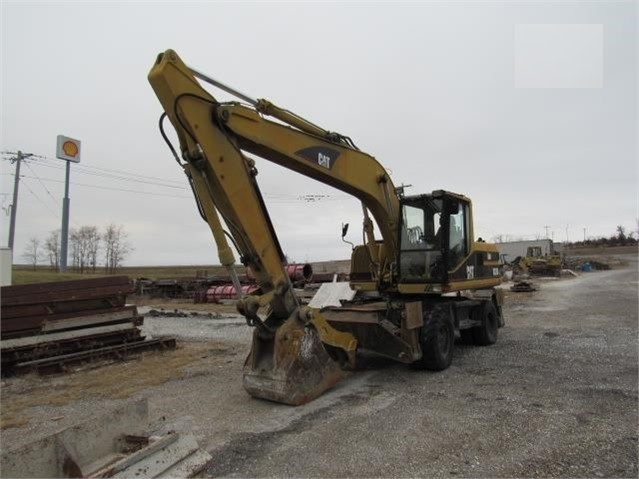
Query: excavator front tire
(437, 339)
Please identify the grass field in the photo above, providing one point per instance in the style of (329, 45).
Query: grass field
(25, 274)
(117, 380)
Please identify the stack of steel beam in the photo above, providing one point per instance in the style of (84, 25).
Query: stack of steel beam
(50, 324)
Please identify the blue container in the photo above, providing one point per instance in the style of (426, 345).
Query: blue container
(586, 267)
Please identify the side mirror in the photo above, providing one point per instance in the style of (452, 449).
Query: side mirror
(344, 231)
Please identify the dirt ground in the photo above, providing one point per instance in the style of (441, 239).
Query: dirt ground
(555, 397)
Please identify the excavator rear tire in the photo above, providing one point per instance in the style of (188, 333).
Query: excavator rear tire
(437, 340)
(486, 333)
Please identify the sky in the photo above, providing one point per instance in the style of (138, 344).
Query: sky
(528, 108)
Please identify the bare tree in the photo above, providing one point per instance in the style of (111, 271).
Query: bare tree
(85, 246)
(32, 252)
(116, 247)
(52, 249)
(75, 249)
(621, 235)
(92, 237)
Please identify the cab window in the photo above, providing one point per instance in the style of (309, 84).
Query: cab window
(421, 241)
(458, 234)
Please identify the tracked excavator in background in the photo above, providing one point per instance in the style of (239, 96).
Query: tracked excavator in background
(418, 284)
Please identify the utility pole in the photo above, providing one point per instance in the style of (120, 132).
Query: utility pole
(546, 227)
(14, 206)
(584, 235)
(64, 232)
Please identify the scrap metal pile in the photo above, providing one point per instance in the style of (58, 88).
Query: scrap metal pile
(523, 286)
(51, 325)
(582, 263)
(218, 288)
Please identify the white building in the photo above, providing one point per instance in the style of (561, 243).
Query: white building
(511, 249)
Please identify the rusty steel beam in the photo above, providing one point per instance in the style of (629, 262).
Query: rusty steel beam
(36, 289)
(15, 355)
(118, 351)
(14, 324)
(126, 314)
(68, 307)
(58, 336)
(50, 324)
(25, 308)
(116, 291)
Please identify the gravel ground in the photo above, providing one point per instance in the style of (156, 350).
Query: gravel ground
(555, 397)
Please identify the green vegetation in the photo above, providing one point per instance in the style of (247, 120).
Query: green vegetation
(25, 274)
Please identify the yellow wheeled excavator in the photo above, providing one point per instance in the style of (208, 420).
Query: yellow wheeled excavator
(418, 284)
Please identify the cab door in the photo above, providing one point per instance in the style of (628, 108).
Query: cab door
(457, 222)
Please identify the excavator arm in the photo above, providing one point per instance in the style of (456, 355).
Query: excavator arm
(296, 354)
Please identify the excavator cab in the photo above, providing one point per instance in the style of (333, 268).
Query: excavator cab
(434, 236)
(534, 252)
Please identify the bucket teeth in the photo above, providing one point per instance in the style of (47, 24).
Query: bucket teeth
(293, 367)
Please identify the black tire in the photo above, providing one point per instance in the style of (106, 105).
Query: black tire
(486, 333)
(467, 336)
(500, 313)
(437, 340)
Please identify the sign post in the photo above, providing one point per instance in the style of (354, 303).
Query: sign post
(67, 149)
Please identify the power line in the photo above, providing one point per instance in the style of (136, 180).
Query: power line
(42, 184)
(135, 180)
(109, 171)
(144, 179)
(126, 177)
(48, 192)
(110, 188)
(123, 177)
(26, 185)
(130, 176)
(273, 198)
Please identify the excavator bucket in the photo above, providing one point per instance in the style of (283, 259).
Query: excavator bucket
(292, 367)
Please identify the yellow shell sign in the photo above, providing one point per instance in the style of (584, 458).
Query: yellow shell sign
(68, 149)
